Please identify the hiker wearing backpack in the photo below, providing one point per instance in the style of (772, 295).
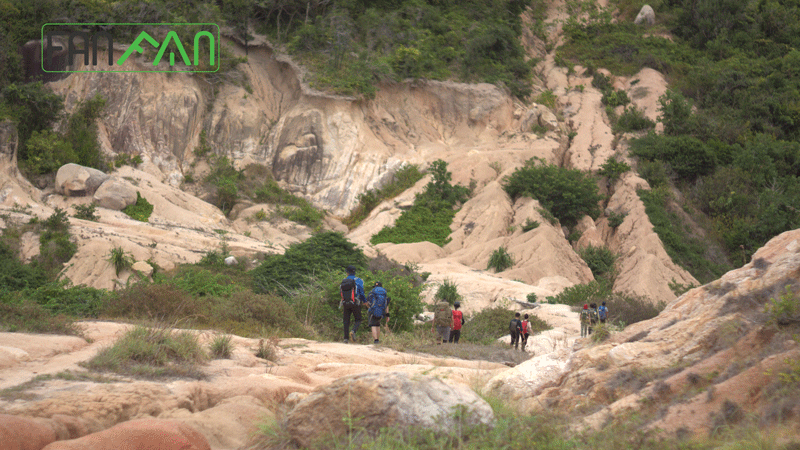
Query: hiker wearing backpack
(525, 331)
(352, 291)
(585, 321)
(602, 311)
(442, 321)
(593, 316)
(458, 321)
(515, 328)
(378, 302)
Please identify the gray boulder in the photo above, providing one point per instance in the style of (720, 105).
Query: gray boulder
(646, 16)
(115, 194)
(73, 180)
(377, 400)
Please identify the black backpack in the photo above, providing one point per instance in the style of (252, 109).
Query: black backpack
(348, 291)
(513, 326)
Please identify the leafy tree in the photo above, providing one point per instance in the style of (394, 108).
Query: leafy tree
(34, 108)
(567, 193)
(676, 113)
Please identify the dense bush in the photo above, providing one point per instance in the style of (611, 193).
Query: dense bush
(567, 193)
(600, 260)
(500, 260)
(633, 119)
(578, 295)
(688, 157)
(448, 291)
(323, 252)
(140, 210)
(628, 309)
(19, 314)
(353, 45)
(613, 169)
(431, 214)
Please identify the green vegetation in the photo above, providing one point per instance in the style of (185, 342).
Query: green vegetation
(731, 139)
(430, 217)
(351, 46)
(403, 178)
(221, 346)
(140, 210)
(600, 260)
(687, 251)
(86, 212)
(567, 193)
(152, 353)
(120, 260)
(489, 324)
(615, 219)
(613, 169)
(500, 260)
(448, 291)
(784, 310)
(529, 225)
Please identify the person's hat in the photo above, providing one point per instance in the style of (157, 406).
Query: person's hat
(351, 269)
(456, 304)
(378, 283)
(585, 306)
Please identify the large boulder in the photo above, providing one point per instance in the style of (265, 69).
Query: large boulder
(142, 434)
(646, 16)
(378, 400)
(115, 193)
(73, 180)
(23, 433)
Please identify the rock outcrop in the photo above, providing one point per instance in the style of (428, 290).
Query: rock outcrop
(143, 434)
(73, 180)
(372, 401)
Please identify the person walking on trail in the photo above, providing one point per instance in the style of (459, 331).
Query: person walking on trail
(515, 328)
(378, 303)
(458, 321)
(593, 316)
(442, 321)
(525, 331)
(602, 311)
(585, 321)
(352, 292)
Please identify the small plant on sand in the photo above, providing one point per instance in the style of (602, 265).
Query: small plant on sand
(221, 347)
(448, 292)
(268, 349)
(500, 260)
(120, 260)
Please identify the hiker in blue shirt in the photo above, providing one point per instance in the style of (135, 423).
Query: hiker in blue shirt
(378, 302)
(352, 292)
(602, 311)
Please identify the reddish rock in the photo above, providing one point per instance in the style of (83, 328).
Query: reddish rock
(24, 433)
(142, 434)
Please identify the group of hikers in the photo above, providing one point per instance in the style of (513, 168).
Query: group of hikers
(446, 323)
(591, 315)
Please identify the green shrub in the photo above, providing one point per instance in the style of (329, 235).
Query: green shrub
(613, 169)
(614, 98)
(247, 314)
(61, 298)
(529, 225)
(140, 210)
(600, 333)
(19, 314)
(55, 246)
(86, 212)
(14, 275)
(324, 251)
(161, 302)
(120, 260)
(547, 98)
(531, 298)
(432, 213)
(221, 346)
(152, 353)
(633, 119)
(785, 309)
(500, 260)
(593, 292)
(627, 309)
(567, 193)
(448, 292)
(687, 156)
(304, 214)
(600, 260)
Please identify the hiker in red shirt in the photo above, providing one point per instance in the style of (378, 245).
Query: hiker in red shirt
(458, 320)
